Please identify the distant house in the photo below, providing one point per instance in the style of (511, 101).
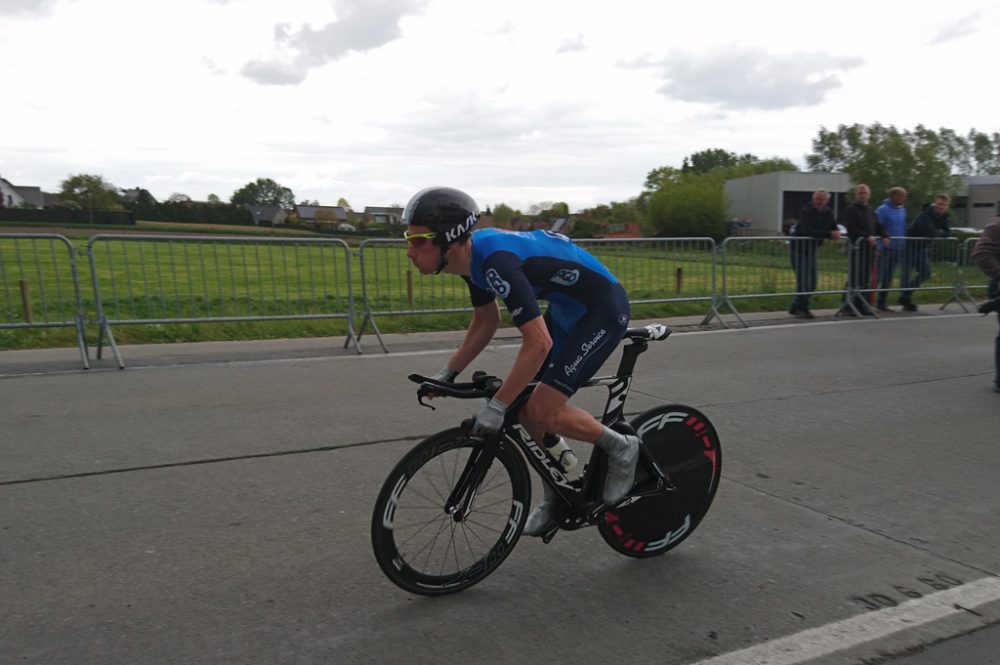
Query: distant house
(619, 231)
(380, 215)
(268, 215)
(135, 195)
(320, 214)
(12, 196)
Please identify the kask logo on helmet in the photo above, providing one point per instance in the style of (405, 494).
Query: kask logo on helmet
(454, 233)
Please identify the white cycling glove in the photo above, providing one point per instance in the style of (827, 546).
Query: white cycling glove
(489, 419)
(445, 375)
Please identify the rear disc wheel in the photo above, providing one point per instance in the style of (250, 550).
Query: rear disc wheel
(686, 447)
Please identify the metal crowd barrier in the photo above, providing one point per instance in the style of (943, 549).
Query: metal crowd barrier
(969, 276)
(162, 279)
(662, 270)
(915, 264)
(151, 279)
(776, 266)
(391, 286)
(39, 285)
(652, 270)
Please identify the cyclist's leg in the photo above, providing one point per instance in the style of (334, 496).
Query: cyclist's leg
(594, 338)
(548, 410)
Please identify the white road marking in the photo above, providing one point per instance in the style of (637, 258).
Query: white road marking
(868, 627)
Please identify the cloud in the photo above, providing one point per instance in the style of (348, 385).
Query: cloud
(750, 77)
(361, 26)
(572, 45)
(14, 7)
(955, 30)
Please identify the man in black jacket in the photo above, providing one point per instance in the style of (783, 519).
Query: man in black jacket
(932, 222)
(816, 223)
(862, 224)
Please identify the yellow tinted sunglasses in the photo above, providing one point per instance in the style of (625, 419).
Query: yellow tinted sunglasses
(419, 239)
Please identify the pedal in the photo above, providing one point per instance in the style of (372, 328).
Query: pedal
(550, 534)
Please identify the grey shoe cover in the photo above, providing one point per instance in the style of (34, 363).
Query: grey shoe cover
(543, 517)
(621, 471)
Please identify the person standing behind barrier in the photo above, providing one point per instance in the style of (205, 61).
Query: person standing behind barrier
(892, 215)
(861, 222)
(986, 256)
(932, 222)
(816, 223)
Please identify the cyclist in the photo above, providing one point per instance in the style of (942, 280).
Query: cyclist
(586, 318)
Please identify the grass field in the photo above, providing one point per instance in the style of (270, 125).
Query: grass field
(166, 290)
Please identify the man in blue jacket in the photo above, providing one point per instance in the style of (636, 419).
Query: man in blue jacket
(892, 215)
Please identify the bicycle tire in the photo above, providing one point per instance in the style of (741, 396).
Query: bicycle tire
(422, 549)
(686, 447)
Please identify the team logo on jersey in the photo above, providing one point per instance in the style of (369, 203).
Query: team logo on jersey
(566, 277)
(497, 283)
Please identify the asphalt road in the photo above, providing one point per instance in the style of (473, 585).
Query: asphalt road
(211, 504)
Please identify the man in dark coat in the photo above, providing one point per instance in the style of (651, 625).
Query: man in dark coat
(862, 225)
(816, 223)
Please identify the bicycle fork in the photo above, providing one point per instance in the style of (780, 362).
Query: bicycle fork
(463, 496)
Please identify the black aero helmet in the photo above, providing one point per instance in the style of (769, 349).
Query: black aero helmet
(448, 212)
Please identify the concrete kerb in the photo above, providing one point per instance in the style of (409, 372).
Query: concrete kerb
(61, 360)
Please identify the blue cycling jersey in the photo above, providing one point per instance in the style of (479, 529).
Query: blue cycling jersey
(525, 267)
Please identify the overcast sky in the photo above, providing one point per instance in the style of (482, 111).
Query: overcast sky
(520, 101)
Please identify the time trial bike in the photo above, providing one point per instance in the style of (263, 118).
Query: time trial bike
(453, 508)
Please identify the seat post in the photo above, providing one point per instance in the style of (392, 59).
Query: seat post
(629, 355)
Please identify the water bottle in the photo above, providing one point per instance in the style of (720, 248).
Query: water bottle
(560, 451)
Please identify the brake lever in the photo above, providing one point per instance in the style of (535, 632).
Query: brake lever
(422, 392)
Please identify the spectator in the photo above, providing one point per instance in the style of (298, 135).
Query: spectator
(932, 222)
(986, 255)
(892, 215)
(815, 224)
(861, 223)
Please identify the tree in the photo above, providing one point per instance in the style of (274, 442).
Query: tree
(214, 199)
(309, 202)
(178, 197)
(690, 201)
(503, 214)
(623, 214)
(90, 192)
(342, 202)
(984, 153)
(922, 161)
(705, 161)
(691, 206)
(549, 212)
(264, 191)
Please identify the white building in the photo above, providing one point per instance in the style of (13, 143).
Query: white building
(771, 202)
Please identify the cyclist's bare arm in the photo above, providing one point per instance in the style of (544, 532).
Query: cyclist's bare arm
(535, 345)
(485, 322)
